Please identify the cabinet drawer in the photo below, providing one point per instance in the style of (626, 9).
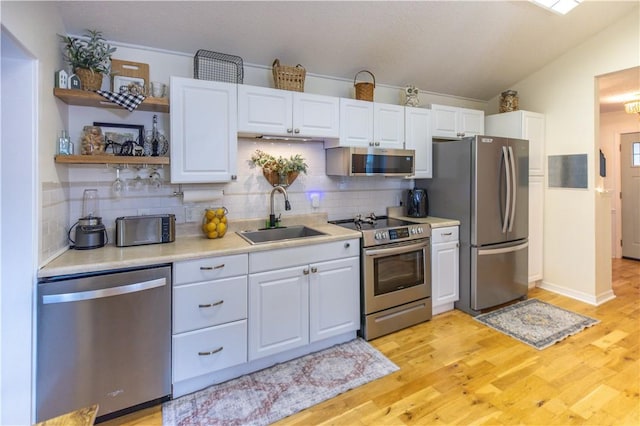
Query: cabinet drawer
(443, 235)
(211, 268)
(210, 303)
(303, 255)
(204, 351)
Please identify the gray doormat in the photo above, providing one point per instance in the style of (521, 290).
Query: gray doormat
(268, 395)
(536, 323)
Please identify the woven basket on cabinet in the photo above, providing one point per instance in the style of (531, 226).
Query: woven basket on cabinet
(286, 77)
(364, 90)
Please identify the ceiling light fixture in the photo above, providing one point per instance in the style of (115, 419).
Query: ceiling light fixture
(561, 7)
(632, 107)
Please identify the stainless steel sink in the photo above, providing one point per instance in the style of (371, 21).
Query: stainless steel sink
(270, 235)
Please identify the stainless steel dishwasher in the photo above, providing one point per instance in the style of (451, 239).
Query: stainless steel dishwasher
(103, 338)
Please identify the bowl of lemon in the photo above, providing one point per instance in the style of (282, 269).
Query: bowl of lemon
(214, 222)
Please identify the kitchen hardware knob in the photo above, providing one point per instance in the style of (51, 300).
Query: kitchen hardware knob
(211, 305)
(314, 269)
(305, 271)
(234, 177)
(347, 245)
(289, 130)
(296, 131)
(215, 351)
(211, 268)
(370, 143)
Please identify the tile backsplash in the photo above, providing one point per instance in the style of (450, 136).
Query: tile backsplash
(245, 198)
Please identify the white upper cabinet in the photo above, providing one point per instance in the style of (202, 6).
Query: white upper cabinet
(522, 125)
(454, 123)
(274, 112)
(388, 125)
(370, 124)
(203, 131)
(418, 137)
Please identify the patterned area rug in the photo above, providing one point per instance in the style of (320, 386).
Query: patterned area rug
(276, 392)
(536, 323)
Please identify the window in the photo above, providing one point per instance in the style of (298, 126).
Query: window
(635, 154)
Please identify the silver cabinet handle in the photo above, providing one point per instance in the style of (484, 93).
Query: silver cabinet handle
(305, 271)
(211, 305)
(314, 269)
(296, 131)
(211, 268)
(289, 130)
(215, 351)
(447, 233)
(514, 189)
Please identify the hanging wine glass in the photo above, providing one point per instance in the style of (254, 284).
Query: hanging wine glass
(155, 180)
(117, 186)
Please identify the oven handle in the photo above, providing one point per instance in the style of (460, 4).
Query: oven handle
(397, 249)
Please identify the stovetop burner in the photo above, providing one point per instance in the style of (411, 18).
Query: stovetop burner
(378, 230)
(360, 223)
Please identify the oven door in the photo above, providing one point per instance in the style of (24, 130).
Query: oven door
(396, 274)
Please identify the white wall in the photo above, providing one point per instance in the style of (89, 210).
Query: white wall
(565, 91)
(612, 125)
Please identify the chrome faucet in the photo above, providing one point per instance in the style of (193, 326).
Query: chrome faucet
(287, 206)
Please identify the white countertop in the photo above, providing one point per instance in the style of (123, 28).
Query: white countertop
(111, 257)
(183, 248)
(435, 222)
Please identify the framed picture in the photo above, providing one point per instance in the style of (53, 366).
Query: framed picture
(133, 85)
(122, 139)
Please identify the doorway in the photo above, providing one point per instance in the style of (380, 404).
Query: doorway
(630, 194)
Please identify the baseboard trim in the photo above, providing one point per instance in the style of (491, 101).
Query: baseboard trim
(591, 299)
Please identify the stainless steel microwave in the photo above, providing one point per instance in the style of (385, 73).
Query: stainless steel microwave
(353, 161)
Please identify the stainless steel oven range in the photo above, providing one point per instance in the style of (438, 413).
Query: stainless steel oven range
(395, 273)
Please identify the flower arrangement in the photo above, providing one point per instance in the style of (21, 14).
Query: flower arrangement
(279, 165)
(282, 171)
(94, 53)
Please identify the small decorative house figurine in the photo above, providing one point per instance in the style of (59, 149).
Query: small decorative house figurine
(411, 96)
(62, 79)
(74, 82)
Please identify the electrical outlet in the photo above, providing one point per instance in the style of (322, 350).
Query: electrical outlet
(315, 201)
(191, 214)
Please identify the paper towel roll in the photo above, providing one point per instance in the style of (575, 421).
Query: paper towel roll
(199, 195)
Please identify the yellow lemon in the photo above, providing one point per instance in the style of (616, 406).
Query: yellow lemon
(210, 214)
(222, 228)
(215, 220)
(223, 219)
(220, 212)
(204, 228)
(211, 227)
(212, 235)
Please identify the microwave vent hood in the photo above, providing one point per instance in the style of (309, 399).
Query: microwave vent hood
(354, 161)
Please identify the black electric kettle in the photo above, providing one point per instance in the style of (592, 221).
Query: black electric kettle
(417, 202)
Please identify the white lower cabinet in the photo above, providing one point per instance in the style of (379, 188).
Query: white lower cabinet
(209, 315)
(445, 273)
(292, 304)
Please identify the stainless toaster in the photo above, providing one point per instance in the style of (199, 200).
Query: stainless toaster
(147, 229)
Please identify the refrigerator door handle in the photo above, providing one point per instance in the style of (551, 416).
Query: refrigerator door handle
(484, 252)
(514, 189)
(505, 158)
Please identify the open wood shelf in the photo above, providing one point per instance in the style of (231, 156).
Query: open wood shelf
(110, 159)
(92, 99)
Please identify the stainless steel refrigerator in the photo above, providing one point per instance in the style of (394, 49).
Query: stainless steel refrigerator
(483, 181)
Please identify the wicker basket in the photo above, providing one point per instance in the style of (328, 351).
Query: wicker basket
(277, 179)
(364, 90)
(89, 80)
(288, 78)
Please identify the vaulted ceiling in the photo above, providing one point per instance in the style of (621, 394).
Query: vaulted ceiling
(471, 49)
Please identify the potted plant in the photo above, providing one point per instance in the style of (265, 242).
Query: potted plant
(89, 57)
(279, 171)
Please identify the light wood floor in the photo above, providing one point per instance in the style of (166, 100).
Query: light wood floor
(453, 370)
